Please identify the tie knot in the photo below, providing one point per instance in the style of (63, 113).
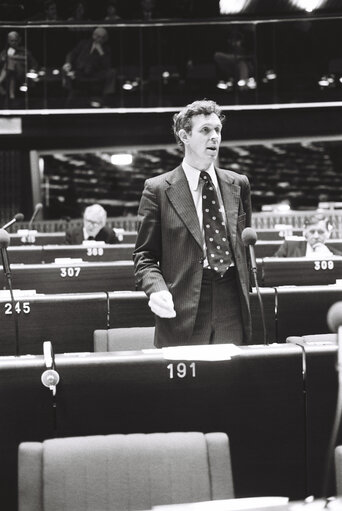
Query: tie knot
(205, 176)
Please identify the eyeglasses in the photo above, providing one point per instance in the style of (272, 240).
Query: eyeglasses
(93, 222)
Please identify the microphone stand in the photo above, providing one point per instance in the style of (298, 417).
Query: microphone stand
(254, 270)
(8, 275)
(337, 420)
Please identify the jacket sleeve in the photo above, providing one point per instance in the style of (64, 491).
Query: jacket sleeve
(246, 200)
(148, 248)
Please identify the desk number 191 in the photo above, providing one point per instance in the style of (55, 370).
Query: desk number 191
(180, 370)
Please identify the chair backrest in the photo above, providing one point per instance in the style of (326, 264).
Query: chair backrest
(122, 339)
(124, 472)
(338, 469)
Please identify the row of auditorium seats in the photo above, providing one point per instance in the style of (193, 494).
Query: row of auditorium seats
(303, 173)
(271, 401)
(69, 320)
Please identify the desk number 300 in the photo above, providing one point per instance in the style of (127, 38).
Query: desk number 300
(324, 265)
(180, 370)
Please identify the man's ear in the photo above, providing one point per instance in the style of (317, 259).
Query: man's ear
(183, 135)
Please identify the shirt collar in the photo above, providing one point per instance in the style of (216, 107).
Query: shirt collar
(193, 175)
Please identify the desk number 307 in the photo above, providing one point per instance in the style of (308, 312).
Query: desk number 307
(180, 370)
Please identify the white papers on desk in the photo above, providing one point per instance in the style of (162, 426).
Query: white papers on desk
(212, 352)
(227, 505)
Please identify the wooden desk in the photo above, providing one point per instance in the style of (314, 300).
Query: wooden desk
(302, 310)
(41, 238)
(72, 277)
(299, 271)
(268, 248)
(101, 253)
(67, 320)
(256, 397)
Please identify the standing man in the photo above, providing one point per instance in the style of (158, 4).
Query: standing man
(189, 257)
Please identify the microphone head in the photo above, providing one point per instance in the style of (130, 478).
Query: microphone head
(19, 217)
(39, 206)
(4, 238)
(334, 317)
(249, 236)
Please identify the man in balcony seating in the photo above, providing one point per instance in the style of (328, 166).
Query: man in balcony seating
(189, 257)
(94, 228)
(316, 233)
(88, 67)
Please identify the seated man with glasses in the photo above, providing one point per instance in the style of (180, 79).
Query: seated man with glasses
(316, 232)
(94, 228)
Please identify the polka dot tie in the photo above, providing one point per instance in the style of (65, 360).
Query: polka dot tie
(215, 233)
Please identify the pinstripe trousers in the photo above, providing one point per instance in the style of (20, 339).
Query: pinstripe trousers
(218, 318)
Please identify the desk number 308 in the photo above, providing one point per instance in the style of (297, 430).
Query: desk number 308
(180, 370)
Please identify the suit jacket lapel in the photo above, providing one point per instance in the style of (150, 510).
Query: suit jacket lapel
(180, 197)
(231, 197)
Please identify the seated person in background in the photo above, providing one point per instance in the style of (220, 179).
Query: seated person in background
(111, 13)
(15, 61)
(317, 230)
(89, 65)
(94, 228)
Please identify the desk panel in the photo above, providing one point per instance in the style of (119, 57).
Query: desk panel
(268, 248)
(67, 320)
(72, 278)
(299, 271)
(25, 254)
(256, 397)
(41, 238)
(321, 388)
(91, 253)
(277, 234)
(302, 310)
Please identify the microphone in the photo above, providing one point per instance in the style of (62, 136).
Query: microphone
(19, 217)
(334, 320)
(249, 238)
(50, 377)
(4, 243)
(38, 207)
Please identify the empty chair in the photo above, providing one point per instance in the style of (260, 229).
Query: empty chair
(123, 472)
(123, 339)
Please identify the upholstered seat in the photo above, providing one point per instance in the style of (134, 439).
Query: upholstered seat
(123, 472)
(118, 339)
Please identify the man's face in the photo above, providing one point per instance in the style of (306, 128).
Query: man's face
(202, 144)
(316, 234)
(13, 39)
(93, 223)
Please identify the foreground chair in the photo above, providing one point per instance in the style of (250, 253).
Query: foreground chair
(338, 469)
(122, 339)
(123, 472)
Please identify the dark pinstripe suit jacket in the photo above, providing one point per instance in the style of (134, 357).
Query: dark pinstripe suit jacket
(169, 247)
